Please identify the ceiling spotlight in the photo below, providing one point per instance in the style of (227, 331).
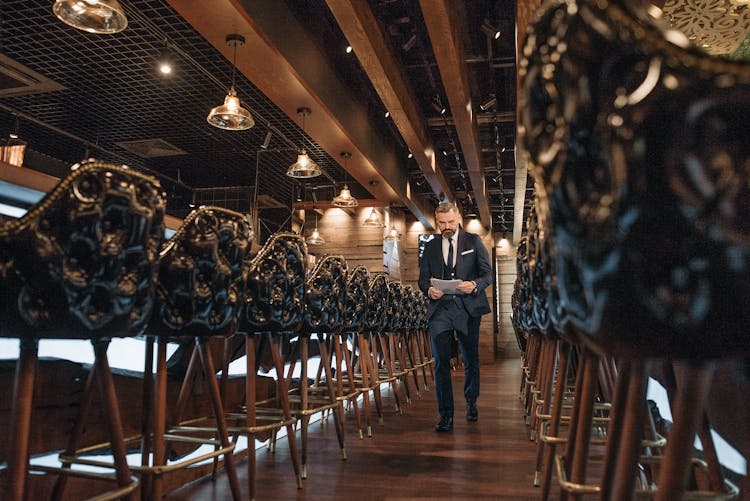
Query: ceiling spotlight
(266, 140)
(231, 115)
(489, 103)
(406, 46)
(490, 30)
(437, 105)
(304, 167)
(410, 155)
(348, 49)
(164, 63)
(387, 114)
(94, 16)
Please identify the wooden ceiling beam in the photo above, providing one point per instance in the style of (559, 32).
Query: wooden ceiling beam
(283, 61)
(442, 22)
(361, 29)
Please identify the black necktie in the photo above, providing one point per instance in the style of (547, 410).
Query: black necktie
(448, 273)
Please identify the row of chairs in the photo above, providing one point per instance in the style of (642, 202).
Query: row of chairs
(636, 239)
(89, 262)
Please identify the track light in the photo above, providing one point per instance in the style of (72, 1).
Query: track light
(407, 46)
(437, 105)
(489, 103)
(490, 30)
(266, 140)
(165, 63)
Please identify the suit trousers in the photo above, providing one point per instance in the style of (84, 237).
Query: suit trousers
(441, 350)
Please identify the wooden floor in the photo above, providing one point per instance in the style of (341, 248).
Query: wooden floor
(406, 458)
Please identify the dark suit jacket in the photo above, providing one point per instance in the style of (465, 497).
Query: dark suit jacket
(472, 263)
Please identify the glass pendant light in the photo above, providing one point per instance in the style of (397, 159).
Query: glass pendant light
(345, 198)
(304, 167)
(231, 115)
(94, 16)
(373, 219)
(316, 238)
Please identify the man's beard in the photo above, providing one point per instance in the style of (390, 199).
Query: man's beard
(448, 233)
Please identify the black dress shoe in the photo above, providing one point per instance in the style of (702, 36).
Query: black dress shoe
(445, 424)
(471, 412)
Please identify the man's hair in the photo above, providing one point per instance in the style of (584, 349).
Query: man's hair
(446, 207)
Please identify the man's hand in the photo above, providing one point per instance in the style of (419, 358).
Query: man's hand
(467, 287)
(434, 293)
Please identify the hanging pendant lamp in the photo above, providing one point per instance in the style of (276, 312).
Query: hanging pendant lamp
(373, 219)
(304, 167)
(94, 16)
(345, 198)
(316, 238)
(231, 115)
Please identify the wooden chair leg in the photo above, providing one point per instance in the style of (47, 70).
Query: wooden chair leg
(341, 361)
(338, 415)
(694, 382)
(632, 432)
(112, 409)
(364, 357)
(250, 420)
(556, 414)
(147, 414)
(20, 425)
(546, 404)
(284, 400)
(304, 419)
(615, 429)
(372, 352)
(159, 418)
(87, 399)
(218, 408)
(576, 453)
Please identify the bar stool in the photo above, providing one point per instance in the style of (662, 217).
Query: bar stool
(199, 294)
(352, 362)
(81, 264)
(325, 296)
(274, 307)
(375, 320)
(354, 318)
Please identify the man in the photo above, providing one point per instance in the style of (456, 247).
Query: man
(457, 255)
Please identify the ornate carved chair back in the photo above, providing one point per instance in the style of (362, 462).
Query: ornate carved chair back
(201, 285)
(357, 299)
(275, 287)
(325, 296)
(81, 264)
(378, 304)
(395, 312)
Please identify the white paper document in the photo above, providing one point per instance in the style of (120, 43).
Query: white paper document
(447, 286)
